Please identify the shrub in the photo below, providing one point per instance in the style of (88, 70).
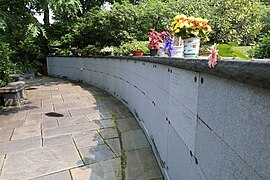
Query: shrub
(128, 48)
(262, 48)
(6, 66)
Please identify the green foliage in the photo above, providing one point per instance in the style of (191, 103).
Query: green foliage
(227, 50)
(262, 48)
(65, 9)
(265, 10)
(6, 66)
(35, 30)
(63, 52)
(2, 23)
(89, 50)
(25, 36)
(129, 47)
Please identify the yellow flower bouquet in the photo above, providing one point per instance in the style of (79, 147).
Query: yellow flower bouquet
(187, 27)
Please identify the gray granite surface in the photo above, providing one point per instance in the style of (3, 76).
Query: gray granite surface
(254, 72)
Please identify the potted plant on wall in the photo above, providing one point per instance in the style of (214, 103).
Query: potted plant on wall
(155, 38)
(90, 50)
(191, 30)
(137, 48)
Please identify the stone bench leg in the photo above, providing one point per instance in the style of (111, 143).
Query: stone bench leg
(12, 99)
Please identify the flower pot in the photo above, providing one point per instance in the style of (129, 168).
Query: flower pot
(137, 53)
(191, 47)
(177, 51)
(107, 54)
(153, 52)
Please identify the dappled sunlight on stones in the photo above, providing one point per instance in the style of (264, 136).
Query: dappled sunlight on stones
(107, 123)
(96, 154)
(109, 133)
(88, 139)
(94, 116)
(27, 164)
(93, 125)
(110, 169)
(83, 111)
(84, 141)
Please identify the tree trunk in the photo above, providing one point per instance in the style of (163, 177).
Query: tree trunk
(46, 18)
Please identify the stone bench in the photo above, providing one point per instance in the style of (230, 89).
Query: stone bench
(13, 93)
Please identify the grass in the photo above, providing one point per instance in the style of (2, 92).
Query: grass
(243, 49)
(204, 49)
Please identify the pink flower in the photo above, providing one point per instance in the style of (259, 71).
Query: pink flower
(213, 57)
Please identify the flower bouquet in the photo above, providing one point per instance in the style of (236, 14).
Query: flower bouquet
(192, 30)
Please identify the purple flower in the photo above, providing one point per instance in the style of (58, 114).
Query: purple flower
(168, 46)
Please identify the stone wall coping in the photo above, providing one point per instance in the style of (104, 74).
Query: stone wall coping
(255, 72)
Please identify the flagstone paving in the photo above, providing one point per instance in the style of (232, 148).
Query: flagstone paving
(68, 131)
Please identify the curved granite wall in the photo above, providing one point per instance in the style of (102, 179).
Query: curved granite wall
(200, 123)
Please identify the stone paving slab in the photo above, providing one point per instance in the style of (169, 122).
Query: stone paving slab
(26, 132)
(33, 116)
(128, 124)
(64, 139)
(54, 99)
(105, 114)
(96, 154)
(27, 164)
(5, 134)
(75, 104)
(49, 123)
(104, 170)
(76, 128)
(88, 139)
(69, 121)
(121, 112)
(109, 133)
(32, 122)
(13, 124)
(107, 123)
(134, 139)
(41, 110)
(94, 116)
(141, 165)
(19, 145)
(115, 146)
(83, 110)
(63, 175)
